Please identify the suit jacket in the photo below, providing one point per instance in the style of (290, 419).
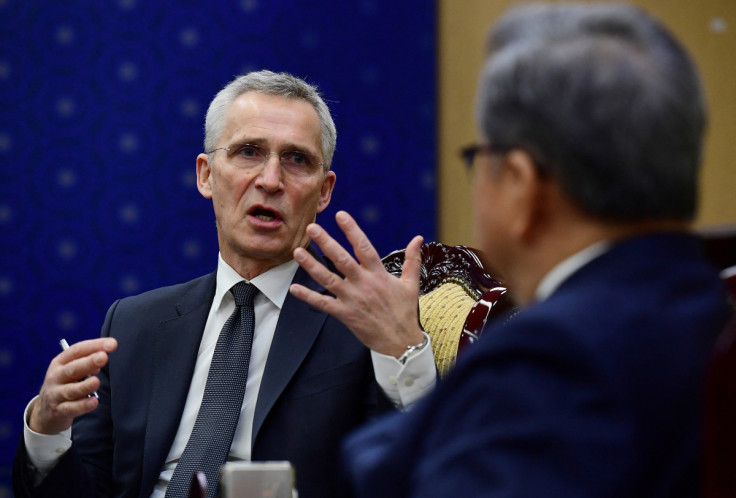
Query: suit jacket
(318, 384)
(594, 392)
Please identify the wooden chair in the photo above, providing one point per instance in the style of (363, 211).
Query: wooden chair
(458, 296)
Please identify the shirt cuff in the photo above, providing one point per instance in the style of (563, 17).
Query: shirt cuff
(44, 450)
(406, 384)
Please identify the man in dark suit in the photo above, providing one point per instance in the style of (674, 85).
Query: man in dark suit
(591, 119)
(309, 379)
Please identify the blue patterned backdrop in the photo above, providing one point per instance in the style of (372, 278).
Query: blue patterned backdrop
(101, 114)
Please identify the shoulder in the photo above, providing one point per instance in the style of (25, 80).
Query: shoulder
(173, 299)
(168, 292)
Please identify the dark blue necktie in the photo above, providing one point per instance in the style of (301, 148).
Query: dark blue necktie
(209, 444)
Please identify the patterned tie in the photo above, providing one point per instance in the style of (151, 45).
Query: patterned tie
(209, 444)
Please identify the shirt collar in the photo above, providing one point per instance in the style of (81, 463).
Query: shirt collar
(274, 283)
(563, 270)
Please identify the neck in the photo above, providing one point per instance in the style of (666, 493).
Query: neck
(547, 250)
(249, 268)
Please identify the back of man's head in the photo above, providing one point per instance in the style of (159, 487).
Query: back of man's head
(604, 99)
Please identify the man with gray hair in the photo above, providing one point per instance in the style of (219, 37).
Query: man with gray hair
(229, 366)
(590, 119)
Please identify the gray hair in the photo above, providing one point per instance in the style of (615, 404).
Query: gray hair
(269, 83)
(606, 102)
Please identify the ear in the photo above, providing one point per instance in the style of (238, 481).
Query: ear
(526, 191)
(204, 175)
(326, 192)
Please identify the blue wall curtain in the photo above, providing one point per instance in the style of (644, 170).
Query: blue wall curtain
(101, 117)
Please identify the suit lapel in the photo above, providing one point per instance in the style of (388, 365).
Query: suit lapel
(175, 348)
(296, 330)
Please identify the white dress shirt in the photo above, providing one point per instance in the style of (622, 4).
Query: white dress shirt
(564, 269)
(402, 384)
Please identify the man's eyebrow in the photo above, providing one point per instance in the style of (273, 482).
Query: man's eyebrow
(261, 142)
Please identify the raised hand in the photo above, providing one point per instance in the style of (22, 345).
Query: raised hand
(70, 379)
(380, 309)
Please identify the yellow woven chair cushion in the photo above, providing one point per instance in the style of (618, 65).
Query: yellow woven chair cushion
(443, 312)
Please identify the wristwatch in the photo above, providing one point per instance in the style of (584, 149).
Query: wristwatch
(413, 349)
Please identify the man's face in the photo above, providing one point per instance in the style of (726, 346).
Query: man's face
(262, 213)
(490, 216)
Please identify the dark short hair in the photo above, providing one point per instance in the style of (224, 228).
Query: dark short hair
(604, 99)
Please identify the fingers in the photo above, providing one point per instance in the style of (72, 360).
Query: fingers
(75, 391)
(75, 407)
(81, 368)
(332, 249)
(81, 359)
(56, 407)
(379, 309)
(314, 299)
(70, 379)
(86, 348)
(317, 270)
(412, 261)
(364, 250)
(70, 410)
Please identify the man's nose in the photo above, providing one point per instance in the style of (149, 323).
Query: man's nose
(270, 177)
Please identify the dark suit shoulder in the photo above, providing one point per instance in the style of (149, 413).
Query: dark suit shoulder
(183, 296)
(168, 292)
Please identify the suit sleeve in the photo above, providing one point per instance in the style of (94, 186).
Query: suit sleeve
(519, 418)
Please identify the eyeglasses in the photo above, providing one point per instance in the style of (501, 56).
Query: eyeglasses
(293, 162)
(469, 152)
